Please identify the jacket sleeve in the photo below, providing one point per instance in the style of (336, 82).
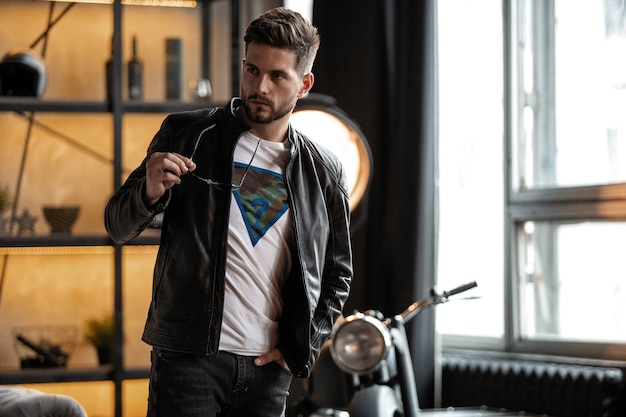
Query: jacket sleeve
(126, 215)
(319, 285)
(337, 273)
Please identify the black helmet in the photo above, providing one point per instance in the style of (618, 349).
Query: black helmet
(22, 73)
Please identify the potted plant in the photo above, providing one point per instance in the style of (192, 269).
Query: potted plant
(100, 332)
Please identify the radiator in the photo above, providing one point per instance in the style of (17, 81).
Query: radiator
(557, 390)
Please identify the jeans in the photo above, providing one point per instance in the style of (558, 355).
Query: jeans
(186, 385)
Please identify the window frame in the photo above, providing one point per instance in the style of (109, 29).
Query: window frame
(589, 202)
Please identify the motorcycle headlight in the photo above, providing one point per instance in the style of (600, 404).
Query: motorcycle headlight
(359, 344)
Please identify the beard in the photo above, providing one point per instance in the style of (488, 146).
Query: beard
(285, 108)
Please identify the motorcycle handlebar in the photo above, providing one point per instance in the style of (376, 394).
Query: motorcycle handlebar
(434, 299)
(460, 289)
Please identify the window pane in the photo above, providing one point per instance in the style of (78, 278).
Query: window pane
(572, 56)
(572, 281)
(470, 235)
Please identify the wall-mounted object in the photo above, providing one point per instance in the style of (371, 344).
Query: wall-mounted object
(318, 117)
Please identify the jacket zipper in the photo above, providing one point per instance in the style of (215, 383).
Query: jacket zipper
(213, 347)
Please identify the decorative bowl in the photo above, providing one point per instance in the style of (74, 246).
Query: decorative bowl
(61, 218)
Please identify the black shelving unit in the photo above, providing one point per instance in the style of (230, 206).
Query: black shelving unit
(117, 108)
(28, 104)
(38, 376)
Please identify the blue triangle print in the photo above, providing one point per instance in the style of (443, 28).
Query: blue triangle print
(262, 199)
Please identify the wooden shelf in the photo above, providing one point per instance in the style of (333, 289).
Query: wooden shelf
(165, 106)
(31, 104)
(149, 237)
(44, 375)
(26, 104)
(48, 375)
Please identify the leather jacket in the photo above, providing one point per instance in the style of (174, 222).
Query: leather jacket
(185, 312)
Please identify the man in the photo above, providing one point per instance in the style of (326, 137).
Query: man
(255, 261)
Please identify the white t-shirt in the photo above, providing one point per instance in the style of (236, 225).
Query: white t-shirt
(258, 256)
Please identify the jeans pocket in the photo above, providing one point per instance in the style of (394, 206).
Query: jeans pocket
(283, 369)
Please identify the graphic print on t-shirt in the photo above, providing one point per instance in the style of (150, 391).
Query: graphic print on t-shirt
(262, 199)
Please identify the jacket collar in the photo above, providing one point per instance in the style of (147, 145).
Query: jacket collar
(292, 134)
(232, 106)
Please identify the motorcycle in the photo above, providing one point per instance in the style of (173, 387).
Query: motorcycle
(365, 369)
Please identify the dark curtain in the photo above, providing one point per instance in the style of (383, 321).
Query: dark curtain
(376, 59)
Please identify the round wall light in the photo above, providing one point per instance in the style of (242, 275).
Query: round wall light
(318, 117)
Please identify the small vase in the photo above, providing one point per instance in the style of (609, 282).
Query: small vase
(105, 355)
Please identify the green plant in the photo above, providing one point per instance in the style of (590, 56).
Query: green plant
(100, 331)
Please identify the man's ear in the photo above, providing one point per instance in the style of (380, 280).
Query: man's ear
(307, 84)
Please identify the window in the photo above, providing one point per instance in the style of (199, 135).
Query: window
(470, 168)
(570, 290)
(558, 230)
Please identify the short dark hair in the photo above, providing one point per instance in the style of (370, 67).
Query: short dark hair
(284, 28)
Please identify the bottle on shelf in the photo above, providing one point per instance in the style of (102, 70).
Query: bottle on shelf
(108, 68)
(135, 74)
(173, 69)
